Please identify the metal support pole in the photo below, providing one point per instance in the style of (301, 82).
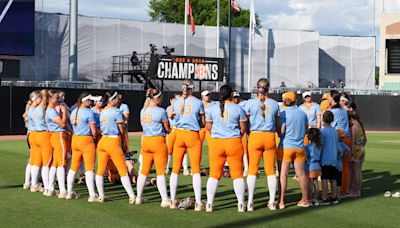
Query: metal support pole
(73, 40)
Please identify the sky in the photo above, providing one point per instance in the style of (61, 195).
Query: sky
(328, 17)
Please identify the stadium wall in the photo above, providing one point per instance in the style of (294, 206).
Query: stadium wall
(379, 113)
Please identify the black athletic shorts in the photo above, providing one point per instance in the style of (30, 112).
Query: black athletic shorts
(338, 177)
(328, 172)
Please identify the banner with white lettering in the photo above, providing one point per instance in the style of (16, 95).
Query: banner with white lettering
(189, 67)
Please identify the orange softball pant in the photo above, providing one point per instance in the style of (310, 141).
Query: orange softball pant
(204, 134)
(59, 144)
(154, 150)
(222, 150)
(35, 155)
(109, 147)
(43, 143)
(171, 140)
(187, 140)
(83, 147)
(262, 144)
(345, 166)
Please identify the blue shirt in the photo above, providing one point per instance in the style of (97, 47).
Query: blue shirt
(51, 114)
(80, 119)
(172, 120)
(311, 113)
(330, 146)
(295, 122)
(229, 126)
(257, 121)
(344, 150)
(96, 113)
(109, 119)
(124, 108)
(31, 119)
(190, 119)
(282, 119)
(341, 120)
(313, 157)
(152, 119)
(40, 122)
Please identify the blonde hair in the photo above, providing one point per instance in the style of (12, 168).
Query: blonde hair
(44, 94)
(150, 94)
(32, 96)
(262, 89)
(185, 88)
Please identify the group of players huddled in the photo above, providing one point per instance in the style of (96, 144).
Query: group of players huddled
(324, 142)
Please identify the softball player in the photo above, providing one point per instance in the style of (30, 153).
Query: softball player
(154, 148)
(242, 103)
(84, 125)
(227, 123)
(57, 126)
(263, 113)
(189, 119)
(312, 110)
(172, 135)
(110, 146)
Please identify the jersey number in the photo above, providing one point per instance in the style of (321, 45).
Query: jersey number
(147, 119)
(187, 109)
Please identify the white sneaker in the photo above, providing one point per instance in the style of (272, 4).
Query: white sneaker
(40, 188)
(93, 199)
(250, 207)
(271, 206)
(139, 200)
(198, 207)
(71, 195)
(50, 193)
(173, 204)
(26, 186)
(165, 204)
(186, 172)
(101, 199)
(62, 195)
(241, 207)
(45, 192)
(34, 188)
(209, 207)
(133, 200)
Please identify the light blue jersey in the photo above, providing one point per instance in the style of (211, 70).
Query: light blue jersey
(344, 150)
(312, 112)
(282, 119)
(341, 120)
(51, 114)
(295, 122)
(172, 120)
(152, 119)
(109, 119)
(330, 146)
(313, 158)
(96, 113)
(40, 121)
(229, 126)
(80, 121)
(124, 108)
(31, 119)
(257, 121)
(190, 119)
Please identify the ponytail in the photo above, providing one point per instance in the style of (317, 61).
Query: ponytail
(225, 93)
(187, 85)
(262, 88)
(150, 94)
(78, 105)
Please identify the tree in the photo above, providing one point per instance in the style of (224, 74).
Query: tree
(204, 12)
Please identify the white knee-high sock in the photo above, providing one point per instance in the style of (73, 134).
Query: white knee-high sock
(272, 186)
(61, 179)
(27, 174)
(100, 185)
(185, 161)
(126, 182)
(52, 177)
(34, 175)
(70, 181)
(212, 185)
(238, 186)
(251, 184)
(168, 161)
(89, 179)
(45, 177)
(162, 187)
(173, 185)
(140, 162)
(245, 163)
(196, 178)
(141, 181)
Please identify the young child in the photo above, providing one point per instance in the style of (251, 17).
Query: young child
(338, 174)
(330, 148)
(313, 167)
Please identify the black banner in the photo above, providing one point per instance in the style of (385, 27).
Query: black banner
(189, 67)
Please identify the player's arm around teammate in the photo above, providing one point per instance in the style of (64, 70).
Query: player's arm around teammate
(84, 126)
(189, 119)
(109, 147)
(263, 113)
(57, 126)
(155, 124)
(227, 122)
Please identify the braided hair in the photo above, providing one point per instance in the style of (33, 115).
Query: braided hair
(262, 89)
(186, 86)
(225, 92)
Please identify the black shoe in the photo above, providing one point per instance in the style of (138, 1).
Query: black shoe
(335, 201)
(324, 202)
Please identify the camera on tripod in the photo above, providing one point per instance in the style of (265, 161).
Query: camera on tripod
(168, 50)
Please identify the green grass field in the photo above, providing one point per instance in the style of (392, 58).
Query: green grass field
(20, 208)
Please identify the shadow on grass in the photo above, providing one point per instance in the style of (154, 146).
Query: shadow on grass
(374, 183)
